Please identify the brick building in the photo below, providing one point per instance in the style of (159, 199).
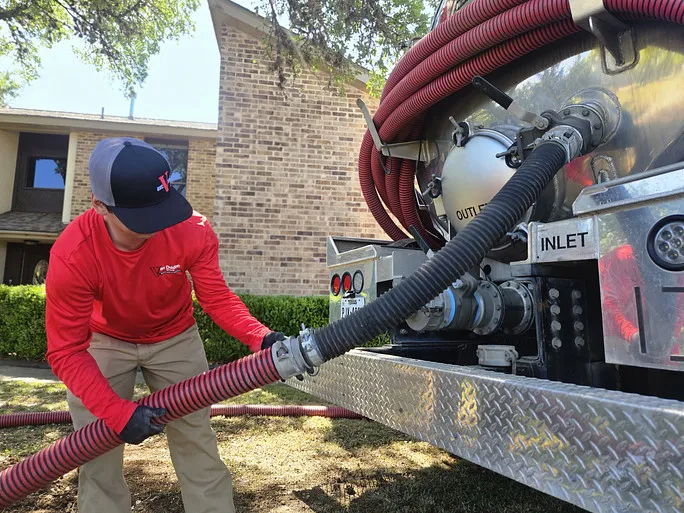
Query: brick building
(44, 176)
(286, 165)
(276, 178)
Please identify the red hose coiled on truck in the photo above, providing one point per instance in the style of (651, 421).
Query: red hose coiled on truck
(462, 75)
(519, 20)
(39, 418)
(474, 41)
(36, 471)
(393, 164)
(463, 20)
(369, 191)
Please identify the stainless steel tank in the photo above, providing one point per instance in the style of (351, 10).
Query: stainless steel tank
(650, 132)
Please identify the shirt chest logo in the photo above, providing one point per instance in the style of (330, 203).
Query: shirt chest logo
(160, 270)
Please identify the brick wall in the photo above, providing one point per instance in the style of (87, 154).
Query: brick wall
(286, 173)
(80, 199)
(201, 176)
(200, 179)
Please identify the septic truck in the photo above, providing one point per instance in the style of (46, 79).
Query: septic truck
(552, 351)
(527, 164)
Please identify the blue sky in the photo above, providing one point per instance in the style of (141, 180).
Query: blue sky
(182, 83)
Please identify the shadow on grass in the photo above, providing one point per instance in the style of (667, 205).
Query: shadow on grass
(20, 396)
(277, 393)
(349, 434)
(153, 492)
(17, 443)
(459, 487)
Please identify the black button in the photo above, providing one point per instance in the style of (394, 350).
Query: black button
(127, 143)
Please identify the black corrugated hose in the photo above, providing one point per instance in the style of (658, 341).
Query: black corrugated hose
(460, 254)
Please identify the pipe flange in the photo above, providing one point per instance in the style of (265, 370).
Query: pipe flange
(601, 106)
(588, 113)
(490, 308)
(526, 299)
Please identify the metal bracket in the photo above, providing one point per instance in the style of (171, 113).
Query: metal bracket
(414, 150)
(618, 40)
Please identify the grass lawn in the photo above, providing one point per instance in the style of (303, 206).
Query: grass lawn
(285, 465)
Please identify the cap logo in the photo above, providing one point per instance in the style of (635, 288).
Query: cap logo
(164, 179)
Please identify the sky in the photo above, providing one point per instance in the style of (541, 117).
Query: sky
(182, 83)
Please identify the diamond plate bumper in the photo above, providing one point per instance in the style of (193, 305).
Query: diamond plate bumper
(604, 451)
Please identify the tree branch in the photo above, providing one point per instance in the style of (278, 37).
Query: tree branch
(81, 21)
(12, 13)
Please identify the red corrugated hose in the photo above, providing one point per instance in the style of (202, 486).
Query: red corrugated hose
(478, 39)
(39, 418)
(235, 378)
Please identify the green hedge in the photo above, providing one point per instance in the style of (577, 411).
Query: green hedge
(22, 322)
(280, 313)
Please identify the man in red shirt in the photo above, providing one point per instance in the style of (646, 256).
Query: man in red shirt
(118, 298)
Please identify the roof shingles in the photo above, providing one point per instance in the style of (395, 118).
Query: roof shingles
(31, 222)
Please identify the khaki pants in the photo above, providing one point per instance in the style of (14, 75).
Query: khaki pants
(206, 484)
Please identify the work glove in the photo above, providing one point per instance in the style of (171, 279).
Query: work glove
(271, 338)
(140, 425)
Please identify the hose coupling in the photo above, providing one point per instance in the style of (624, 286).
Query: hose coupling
(309, 347)
(295, 356)
(568, 137)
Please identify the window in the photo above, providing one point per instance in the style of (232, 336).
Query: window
(40, 174)
(40, 272)
(46, 173)
(176, 152)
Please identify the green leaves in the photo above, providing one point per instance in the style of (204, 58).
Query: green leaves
(22, 322)
(280, 313)
(117, 35)
(339, 36)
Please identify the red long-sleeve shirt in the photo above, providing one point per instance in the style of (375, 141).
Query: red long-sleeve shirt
(140, 296)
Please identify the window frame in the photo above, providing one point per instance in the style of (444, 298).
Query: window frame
(39, 156)
(38, 199)
(173, 144)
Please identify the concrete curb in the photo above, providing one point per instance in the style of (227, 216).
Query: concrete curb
(24, 363)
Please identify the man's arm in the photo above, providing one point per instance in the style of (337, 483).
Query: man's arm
(68, 307)
(613, 310)
(224, 307)
(612, 305)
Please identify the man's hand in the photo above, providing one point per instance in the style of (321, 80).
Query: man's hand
(140, 425)
(271, 338)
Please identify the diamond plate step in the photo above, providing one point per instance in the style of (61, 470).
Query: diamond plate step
(602, 450)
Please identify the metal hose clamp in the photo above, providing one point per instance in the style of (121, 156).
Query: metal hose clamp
(296, 355)
(568, 137)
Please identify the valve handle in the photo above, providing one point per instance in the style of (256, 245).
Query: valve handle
(501, 98)
(496, 94)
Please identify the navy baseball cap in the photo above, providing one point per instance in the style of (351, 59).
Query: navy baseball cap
(132, 179)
